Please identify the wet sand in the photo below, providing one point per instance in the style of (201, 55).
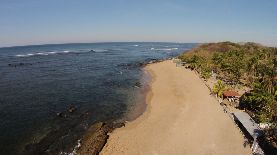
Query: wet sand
(181, 118)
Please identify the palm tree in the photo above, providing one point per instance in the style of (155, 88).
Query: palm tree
(219, 88)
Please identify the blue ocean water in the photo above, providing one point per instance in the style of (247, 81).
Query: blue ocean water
(38, 82)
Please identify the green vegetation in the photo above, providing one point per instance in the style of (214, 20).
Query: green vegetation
(219, 88)
(249, 64)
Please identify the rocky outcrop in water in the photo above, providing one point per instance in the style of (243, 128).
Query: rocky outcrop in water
(71, 109)
(96, 137)
(140, 64)
(65, 114)
(71, 125)
(138, 85)
(19, 64)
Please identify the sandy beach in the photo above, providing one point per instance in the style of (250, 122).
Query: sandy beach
(181, 118)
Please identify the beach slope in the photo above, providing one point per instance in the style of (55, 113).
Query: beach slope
(181, 118)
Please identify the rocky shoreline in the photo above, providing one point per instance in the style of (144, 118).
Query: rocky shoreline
(94, 139)
(97, 135)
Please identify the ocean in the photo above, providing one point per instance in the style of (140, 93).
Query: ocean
(51, 94)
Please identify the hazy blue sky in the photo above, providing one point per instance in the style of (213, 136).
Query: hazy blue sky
(61, 21)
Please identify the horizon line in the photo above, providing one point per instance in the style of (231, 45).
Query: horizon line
(67, 43)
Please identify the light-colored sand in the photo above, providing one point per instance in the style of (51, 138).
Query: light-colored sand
(181, 119)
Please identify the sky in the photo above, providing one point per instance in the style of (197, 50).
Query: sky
(28, 22)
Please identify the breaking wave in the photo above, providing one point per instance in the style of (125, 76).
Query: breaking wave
(164, 49)
(47, 53)
(100, 50)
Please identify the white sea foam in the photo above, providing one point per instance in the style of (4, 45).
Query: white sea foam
(100, 50)
(42, 53)
(164, 49)
(136, 45)
(74, 152)
(21, 55)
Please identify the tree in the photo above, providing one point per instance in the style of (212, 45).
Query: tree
(262, 103)
(219, 88)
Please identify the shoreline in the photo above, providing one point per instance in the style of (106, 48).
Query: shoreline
(94, 140)
(140, 105)
(161, 124)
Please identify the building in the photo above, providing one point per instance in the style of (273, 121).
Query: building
(231, 96)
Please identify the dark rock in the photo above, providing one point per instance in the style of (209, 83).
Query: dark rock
(71, 109)
(141, 64)
(138, 84)
(118, 125)
(19, 64)
(50, 143)
(96, 138)
(60, 114)
(85, 114)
